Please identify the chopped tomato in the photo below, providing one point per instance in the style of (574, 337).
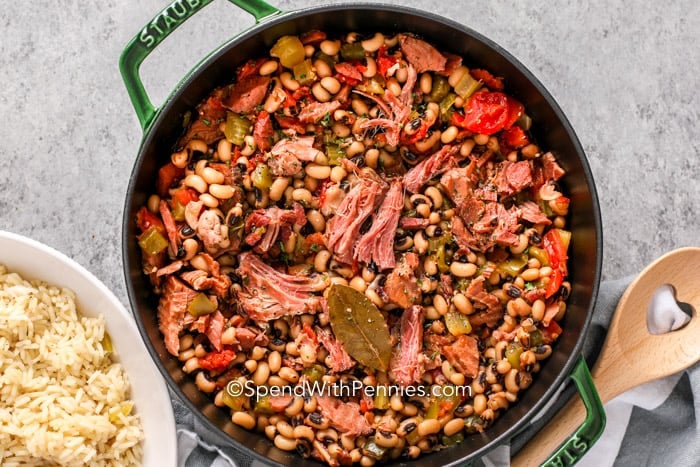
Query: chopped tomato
(350, 72)
(315, 238)
(168, 175)
(145, 219)
(217, 361)
(185, 195)
(384, 61)
(312, 37)
(551, 332)
(250, 68)
(263, 131)
(556, 253)
(488, 112)
(290, 123)
(514, 138)
(493, 83)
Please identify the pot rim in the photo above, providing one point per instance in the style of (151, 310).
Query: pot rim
(164, 111)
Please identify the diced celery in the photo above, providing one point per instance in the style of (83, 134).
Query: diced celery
(536, 338)
(234, 402)
(513, 351)
(539, 254)
(335, 154)
(201, 305)
(263, 406)
(353, 51)
(440, 88)
(373, 450)
(236, 128)
(314, 373)
(381, 398)
(513, 266)
(446, 106)
(289, 50)
(304, 72)
(457, 323)
(466, 86)
(565, 236)
(261, 177)
(453, 440)
(152, 241)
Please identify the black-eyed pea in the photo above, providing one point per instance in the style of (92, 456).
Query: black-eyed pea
(338, 173)
(530, 274)
(289, 374)
(481, 139)
(186, 355)
(428, 427)
(330, 84)
(530, 151)
(204, 383)
(463, 304)
(285, 443)
(466, 148)
(320, 93)
(453, 427)
(288, 81)
(511, 382)
(386, 439)
(196, 182)
(358, 283)
(270, 431)
(479, 404)
(294, 408)
(463, 270)
(244, 419)
(279, 185)
(538, 308)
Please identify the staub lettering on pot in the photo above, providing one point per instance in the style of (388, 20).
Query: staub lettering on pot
(165, 22)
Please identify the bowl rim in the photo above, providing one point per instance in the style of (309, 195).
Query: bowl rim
(153, 391)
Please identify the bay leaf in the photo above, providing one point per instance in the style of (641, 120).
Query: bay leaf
(358, 324)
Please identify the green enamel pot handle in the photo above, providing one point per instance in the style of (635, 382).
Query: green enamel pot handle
(573, 449)
(154, 33)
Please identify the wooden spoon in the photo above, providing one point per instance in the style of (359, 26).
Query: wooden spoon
(631, 355)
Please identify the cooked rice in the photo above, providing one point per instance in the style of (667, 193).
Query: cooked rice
(63, 401)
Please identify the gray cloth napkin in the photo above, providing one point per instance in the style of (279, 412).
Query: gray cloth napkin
(668, 434)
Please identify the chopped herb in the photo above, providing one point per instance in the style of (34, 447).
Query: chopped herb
(326, 121)
(530, 286)
(206, 122)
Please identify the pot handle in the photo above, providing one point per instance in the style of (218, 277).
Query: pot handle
(572, 449)
(154, 33)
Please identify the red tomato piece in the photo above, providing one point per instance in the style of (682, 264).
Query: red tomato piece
(263, 131)
(493, 83)
(384, 61)
(145, 219)
(514, 138)
(556, 251)
(185, 195)
(217, 361)
(488, 112)
(551, 332)
(168, 175)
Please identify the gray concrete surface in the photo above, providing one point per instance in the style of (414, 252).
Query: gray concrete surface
(625, 73)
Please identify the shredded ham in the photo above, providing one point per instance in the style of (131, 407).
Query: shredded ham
(343, 229)
(343, 416)
(463, 355)
(437, 163)
(406, 365)
(401, 286)
(287, 155)
(377, 244)
(265, 226)
(420, 54)
(172, 312)
(494, 311)
(340, 360)
(269, 294)
(314, 112)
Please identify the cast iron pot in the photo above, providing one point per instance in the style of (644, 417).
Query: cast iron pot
(163, 125)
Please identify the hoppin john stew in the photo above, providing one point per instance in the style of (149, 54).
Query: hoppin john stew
(368, 219)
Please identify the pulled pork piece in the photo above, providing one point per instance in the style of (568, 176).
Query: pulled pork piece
(316, 111)
(512, 177)
(212, 280)
(287, 155)
(343, 416)
(264, 226)
(406, 365)
(339, 358)
(377, 244)
(463, 355)
(269, 294)
(343, 229)
(247, 94)
(433, 165)
(206, 125)
(172, 312)
(394, 115)
(401, 286)
(420, 54)
(531, 212)
(494, 310)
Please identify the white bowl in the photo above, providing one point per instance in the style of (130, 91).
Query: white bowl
(33, 260)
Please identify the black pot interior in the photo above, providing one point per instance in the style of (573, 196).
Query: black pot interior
(550, 127)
